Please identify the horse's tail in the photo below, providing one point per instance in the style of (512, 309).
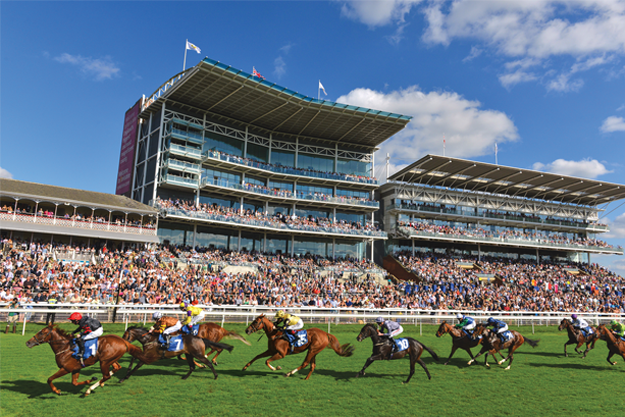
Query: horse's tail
(236, 336)
(217, 346)
(532, 343)
(345, 350)
(135, 352)
(430, 351)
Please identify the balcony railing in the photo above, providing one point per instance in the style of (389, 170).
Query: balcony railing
(185, 151)
(185, 135)
(289, 170)
(177, 180)
(63, 222)
(183, 166)
(539, 242)
(268, 223)
(533, 221)
(289, 194)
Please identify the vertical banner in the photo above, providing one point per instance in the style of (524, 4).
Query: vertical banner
(127, 152)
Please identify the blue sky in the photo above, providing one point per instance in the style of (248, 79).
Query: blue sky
(545, 80)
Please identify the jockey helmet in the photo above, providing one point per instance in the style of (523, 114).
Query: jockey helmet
(75, 317)
(491, 320)
(459, 316)
(379, 320)
(183, 306)
(574, 316)
(157, 315)
(614, 322)
(280, 314)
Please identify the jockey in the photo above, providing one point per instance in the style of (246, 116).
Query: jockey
(581, 324)
(166, 326)
(194, 315)
(466, 323)
(290, 322)
(617, 328)
(89, 328)
(392, 329)
(499, 327)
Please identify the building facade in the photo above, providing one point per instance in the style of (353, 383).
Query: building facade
(235, 162)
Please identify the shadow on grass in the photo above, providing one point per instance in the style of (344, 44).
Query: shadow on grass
(572, 366)
(39, 390)
(549, 354)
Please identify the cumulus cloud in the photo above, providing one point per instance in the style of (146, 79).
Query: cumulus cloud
(613, 124)
(279, 67)
(99, 68)
(378, 13)
(586, 168)
(469, 131)
(5, 174)
(617, 227)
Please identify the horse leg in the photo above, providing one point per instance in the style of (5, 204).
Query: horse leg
(131, 371)
(579, 344)
(486, 359)
(367, 363)
(313, 365)
(214, 360)
(275, 357)
(609, 356)
(262, 355)
(311, 354)
(75, 376)
(567, 343)
(453, 350)
(473, 359)
(200, 356)
(105, 368)
(191, 363)
(58, 374)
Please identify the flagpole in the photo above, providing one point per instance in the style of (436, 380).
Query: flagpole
(319, 90)
(184, 63)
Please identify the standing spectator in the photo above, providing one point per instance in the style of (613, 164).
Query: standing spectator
(51, 316)
(13, 316)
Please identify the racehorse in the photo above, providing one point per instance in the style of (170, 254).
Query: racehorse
(615, 345)
(215, 333)
(278, 348)
(382, 350)
(459, 340)
(492, 344)
(110, 349)
(578, 338)
(193, 347)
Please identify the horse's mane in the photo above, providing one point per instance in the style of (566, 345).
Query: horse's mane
(62, 332)
(142, 329)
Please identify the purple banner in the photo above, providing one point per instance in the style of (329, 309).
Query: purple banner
(127, 153)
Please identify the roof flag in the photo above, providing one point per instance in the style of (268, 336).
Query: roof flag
(256, 73)
(193, 47)
(321, 88)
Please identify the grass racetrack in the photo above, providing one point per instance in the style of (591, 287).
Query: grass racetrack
(542, 382)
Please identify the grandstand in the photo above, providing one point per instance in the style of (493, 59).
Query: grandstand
(235, 162)
(459, 208)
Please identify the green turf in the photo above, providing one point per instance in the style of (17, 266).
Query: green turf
(541, 382)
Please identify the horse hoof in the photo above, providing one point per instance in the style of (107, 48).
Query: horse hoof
(215, 364)
(500, 362)
(95, 378)
(215, 376)
(505, 369)
(286, 375)
(278, 368)
(445, 363)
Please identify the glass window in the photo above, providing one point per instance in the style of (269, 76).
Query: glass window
(285, 186)
(348, 249)
(315, 162)
(309, 189)
(312, 213)
(353, 193)
(220, 178)
(225, 144)
(252, 242)
(349, 166)
(278, 244)
(350, 217)
(257, 152)
(222, 202)
(208, 237)
(284, 158)
(313, 247)
(255, 181)
(274, 209)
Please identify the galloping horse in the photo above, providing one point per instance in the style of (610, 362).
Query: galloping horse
(382, 350)
(459, 340)
(193, 346)
(215, 333)
(615, 346)
(278, 348)
(110, 349)
(492, 344)
(578, 338)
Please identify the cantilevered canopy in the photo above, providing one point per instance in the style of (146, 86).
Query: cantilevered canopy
(461, 174)
(244, 99)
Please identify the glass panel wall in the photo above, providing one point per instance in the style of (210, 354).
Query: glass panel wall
(209, 237)
(349, 249)
(353, 194)
(225, 144)
(274, 209)
(284, 186)
(175, 233)
(307, 213)
(220, 177)
(349, 166)
(222, 202)
(257, 152)
(252, 242)
(284, 158)
(315, 162)
(305, 246)
(312, 190)
(278, 244)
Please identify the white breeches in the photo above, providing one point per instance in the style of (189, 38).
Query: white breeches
(396, 332)
(297, 326)
(173, 328)
(503, 329)
(94, 334)
(470, 326)
(197, 319)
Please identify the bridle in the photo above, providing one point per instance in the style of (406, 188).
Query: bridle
(39, 342)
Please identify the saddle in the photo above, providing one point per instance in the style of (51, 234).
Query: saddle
(91, 348)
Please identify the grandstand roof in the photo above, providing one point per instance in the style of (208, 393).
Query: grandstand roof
(462, 174)
(244, 99)
(62, 195)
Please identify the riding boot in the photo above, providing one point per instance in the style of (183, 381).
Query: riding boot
(81, 350)
(14, 329)
(7, 330)
(167, 337)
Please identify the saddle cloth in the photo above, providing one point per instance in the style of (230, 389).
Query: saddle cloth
(91, 348)
(175, 343)
(401, 344)
(507, 336)
(185, 329)
(299, 339)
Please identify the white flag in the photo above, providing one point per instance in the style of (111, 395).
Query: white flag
(321, 87)
(193, 47)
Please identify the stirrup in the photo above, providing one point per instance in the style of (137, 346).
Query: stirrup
(82, 361)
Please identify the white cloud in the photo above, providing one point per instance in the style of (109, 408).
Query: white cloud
(621, 108)
(475, 52)
(5, 174)
(279, 67)
(563, 84)
(512, 78)
(378, 13)
(617, 227)
(613, 124)
(469, 131)
(100, 68)
(586, 168)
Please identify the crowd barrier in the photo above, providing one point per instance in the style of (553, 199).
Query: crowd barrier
(311, 315)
